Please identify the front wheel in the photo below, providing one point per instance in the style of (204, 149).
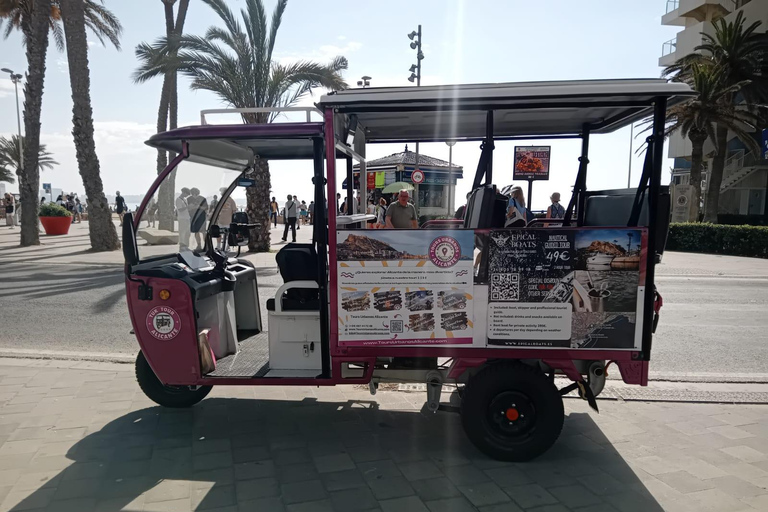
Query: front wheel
(167, 396)
(512, 412)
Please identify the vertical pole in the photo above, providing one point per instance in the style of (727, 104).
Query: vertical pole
(489, 141)
(631, 137)
(320, 236)
(418, 84)
(330, 165)
(18, 122)
(350, 186)
(451, 188)
(530, 194)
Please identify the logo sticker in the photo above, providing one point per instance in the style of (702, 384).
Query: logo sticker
(163, 323)
(444, 251)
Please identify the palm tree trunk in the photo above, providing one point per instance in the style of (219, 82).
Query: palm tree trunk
(36, 43)
(698, 138)
(257, 197)
(100, 227)
(716, 175)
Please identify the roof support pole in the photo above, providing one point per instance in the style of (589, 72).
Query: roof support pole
(581, 181)
(489, 142)
(350, 186)
(320, 236)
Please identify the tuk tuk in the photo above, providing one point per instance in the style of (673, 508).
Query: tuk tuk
(496, 312)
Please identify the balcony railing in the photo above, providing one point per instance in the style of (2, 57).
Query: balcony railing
(672, 5)
(669, 47)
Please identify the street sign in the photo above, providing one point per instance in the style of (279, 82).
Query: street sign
(417, 176)
(531, 163)
(246, 182)
(47, 188)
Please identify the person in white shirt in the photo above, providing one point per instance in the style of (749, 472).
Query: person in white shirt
(291, 212)
(182, 216)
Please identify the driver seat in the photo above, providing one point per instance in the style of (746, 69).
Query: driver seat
(297, 262)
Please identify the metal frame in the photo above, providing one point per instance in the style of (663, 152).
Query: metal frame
(258, 110)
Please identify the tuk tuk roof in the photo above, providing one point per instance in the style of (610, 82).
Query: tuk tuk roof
(443, 112)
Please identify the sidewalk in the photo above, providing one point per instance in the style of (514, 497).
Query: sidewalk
(75, 248)
(82, 437)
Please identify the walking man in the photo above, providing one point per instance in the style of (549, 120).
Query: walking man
(290, 218)
(401, 214)
(120, 207)
(182, 216)
(273, 207)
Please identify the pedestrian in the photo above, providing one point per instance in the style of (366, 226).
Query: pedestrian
(214, 203)
(42, 201)
(311, 209)
(401, 214)
(462, 210)
(120, 207)
(10, 208)
(338, 198)
(78, 210)
(290, 218)
(151, 211)
(303, 212)
(60, 200)
(380, 212)
(273, 208)
(555, 210)
(298, 219)
(517, 214)
(182, 216)
(198, 208)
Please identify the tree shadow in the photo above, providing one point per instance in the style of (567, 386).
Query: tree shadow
(229, 450)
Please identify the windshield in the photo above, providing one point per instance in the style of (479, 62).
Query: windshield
(179, 212)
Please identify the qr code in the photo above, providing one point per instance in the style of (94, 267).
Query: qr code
(505, 287)
(395, 326)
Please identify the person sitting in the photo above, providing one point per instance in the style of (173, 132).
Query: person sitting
(517, 214)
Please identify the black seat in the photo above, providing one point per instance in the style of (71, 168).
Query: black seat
(486, 208)
(297, 262)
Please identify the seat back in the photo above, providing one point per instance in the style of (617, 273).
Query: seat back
(486, 208)
(298, 262)
(614, 208)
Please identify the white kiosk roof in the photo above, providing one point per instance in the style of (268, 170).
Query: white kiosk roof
(521, 109)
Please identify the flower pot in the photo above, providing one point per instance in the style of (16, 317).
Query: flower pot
(56, 225)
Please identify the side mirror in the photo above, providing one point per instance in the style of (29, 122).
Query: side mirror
(130, 250)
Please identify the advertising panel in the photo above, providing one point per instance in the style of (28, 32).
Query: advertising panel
(531, 163)
(405, 287)
(564, 288)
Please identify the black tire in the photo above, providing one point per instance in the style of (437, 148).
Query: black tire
(512, 412)
(167, 396)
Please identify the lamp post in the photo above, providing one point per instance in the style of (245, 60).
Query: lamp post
(451, 187)
(15, 78)
(415, 37)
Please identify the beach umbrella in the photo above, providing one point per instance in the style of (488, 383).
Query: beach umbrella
(396, 187)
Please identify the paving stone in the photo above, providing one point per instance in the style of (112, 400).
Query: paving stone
(393, 487)
(550, 508)
(180, 505)
(311, 506)
(212, 460)
(87, 488)
(297, 492)
(602, 483)
(293, 456)
(257, 488)
(334, 462)
(213, 497)
(466, 474)
(529, 496)
(378, 469)
(737, 487)
(297, 473)
(420, 470)
(744, 453)
(508, 476)
(487, 493)
(23, 500)
(757, 502)
(258, 469)
(75, 505)
(574, 496)
(731, 432)
(435, 489)
(408, 504)
(717, 500)
(274, 504)
(250, 453)
(340, 480)
(458, 504)
(167, 490)
(351, 500)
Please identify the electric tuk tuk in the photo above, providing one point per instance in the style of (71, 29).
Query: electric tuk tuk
(494, 311)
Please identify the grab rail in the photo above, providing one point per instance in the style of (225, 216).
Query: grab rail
(258, 110)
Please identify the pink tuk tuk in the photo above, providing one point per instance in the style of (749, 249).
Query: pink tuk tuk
(496, 312)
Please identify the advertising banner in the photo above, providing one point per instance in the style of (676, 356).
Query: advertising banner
(564, 288)
(531, 163)
(405, 287)
(681, 207)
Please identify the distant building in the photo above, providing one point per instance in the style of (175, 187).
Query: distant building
(744, 190)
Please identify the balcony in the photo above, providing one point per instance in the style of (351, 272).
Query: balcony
(682, 12)
(668, 51)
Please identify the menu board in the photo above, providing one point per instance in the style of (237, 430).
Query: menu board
(405, 287)
(564, 288)
(531, 163)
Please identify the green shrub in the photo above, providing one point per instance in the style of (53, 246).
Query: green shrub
(53, 210)
(749, 241)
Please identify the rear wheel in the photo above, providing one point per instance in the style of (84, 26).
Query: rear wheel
(167, 396)
(512, 412)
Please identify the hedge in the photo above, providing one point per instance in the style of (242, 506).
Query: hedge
(751, 241)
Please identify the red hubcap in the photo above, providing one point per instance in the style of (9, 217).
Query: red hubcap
(512, 414)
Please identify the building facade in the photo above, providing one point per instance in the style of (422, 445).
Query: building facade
(744, 190)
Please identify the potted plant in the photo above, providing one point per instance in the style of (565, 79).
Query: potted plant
(55, 219)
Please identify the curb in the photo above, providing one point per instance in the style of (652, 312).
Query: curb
(52, 355)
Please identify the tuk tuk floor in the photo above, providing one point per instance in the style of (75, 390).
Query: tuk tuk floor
(82, 436)
(251, 360)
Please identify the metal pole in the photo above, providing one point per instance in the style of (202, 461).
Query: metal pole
(18, 119)
(631, 137)
(451, 188)
(418, 84)
(530, 194)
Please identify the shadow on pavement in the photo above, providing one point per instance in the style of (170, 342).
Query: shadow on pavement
(236, 450)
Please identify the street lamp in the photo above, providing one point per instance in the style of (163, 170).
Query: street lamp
(15, 78)
(451, 187)
(415, 37)
(364, 82)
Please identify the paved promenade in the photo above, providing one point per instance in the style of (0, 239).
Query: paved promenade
(82, 437)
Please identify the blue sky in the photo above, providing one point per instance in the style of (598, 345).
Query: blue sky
(464, 42)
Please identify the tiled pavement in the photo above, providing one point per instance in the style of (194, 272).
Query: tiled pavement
(82, 437)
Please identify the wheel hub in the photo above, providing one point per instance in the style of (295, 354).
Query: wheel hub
(511, 415)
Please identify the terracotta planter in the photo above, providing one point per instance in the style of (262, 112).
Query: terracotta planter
(56, 225)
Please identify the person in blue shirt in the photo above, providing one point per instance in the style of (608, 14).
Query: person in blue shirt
(517, 214)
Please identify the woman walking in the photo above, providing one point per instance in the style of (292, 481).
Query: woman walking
(10, 207)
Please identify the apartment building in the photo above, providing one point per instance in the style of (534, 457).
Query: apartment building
(744, 190)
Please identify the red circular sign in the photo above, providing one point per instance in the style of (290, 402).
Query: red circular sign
(417, 177)
(163, 323)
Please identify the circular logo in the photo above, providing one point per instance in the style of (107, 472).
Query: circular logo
(417, 177)
(682, 200)
(444, 251)
(163, 323)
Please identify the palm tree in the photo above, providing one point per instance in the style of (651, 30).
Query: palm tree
(10, 162)
(101, 230)
(35, 19)
(697, 119)
(741, 55)
(235, 63)
(167, 115)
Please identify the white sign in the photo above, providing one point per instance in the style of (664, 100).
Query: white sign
(529, 321)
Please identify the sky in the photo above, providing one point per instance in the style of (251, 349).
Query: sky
(464, 42)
